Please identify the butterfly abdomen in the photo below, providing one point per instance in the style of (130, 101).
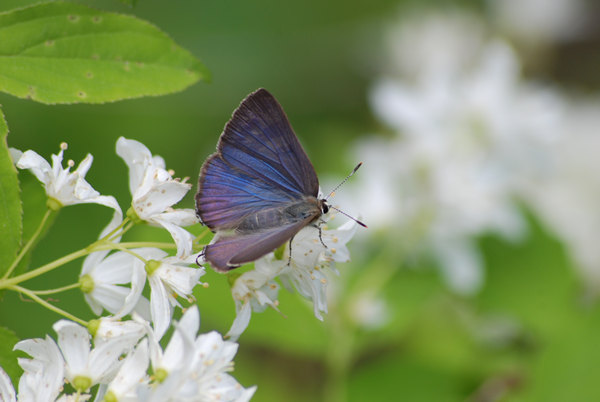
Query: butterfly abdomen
(280, 216)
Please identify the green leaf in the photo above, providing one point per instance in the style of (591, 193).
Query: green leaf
(10, 204)
(8, 358)
(68, 53)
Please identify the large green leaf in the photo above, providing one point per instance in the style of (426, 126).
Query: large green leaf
(68, 53)
(10, 204)
(8, 357)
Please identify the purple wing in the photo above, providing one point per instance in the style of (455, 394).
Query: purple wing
(230, 252)
(259, 164)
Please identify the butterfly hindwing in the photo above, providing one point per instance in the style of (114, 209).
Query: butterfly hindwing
(229, 252)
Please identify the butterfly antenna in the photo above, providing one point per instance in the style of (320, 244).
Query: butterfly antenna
(344, 181)
(351, 217)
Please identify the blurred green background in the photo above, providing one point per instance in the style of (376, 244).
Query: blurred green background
(527, 335)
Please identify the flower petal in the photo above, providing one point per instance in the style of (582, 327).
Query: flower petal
(74, 343)
(160, 306)
(137, 157)
(7, 391)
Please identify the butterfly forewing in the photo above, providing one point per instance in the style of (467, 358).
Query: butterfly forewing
(259, 137)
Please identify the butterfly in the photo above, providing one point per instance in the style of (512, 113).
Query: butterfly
(259, 188)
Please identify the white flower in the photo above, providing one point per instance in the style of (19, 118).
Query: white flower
(194, 367)
(43, 375)
(131, 375)
(101, 279)
(168, 276)
(86, 367)
(311, 262)
(254, 290)
(307, 272)
(112, 327)
(7, 391)
(64, 187)
(213, 361)
(154, 192)
(470, 133)
(74, 397)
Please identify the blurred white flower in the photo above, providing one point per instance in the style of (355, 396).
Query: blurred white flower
(64, 187)
(470, 132)
(567, 199)
(541, 20)
(421, 46)
(43, 375)
(168, 277)
(154, 191)
(101, 279)
(368, 310)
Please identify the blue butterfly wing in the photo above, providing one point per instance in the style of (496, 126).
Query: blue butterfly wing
(259, 164)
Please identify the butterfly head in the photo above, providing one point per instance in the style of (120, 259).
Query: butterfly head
(323, 206)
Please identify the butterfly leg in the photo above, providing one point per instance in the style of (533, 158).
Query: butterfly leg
(318, 226)
(200, 256)
(290, 256)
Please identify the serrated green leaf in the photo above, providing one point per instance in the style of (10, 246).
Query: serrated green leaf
(68, 53)
(8, 358)
(10, 204)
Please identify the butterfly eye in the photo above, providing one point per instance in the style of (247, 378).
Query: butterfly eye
(325, 208)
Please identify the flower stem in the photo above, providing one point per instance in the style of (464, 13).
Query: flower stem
(57, 290)
(29, 244)
(11, 282)
(115, 232)
(97, 246)
(49, 306)
(338, 359)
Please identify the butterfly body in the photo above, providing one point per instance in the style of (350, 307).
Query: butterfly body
(259, 189)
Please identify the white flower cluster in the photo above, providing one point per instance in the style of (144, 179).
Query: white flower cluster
(307, 272)
(115, 282)
(470, 134)
(191, 368)
(114, 276)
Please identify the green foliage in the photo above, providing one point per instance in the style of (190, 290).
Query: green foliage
(10, 203)
(68, 53)
(130, 3)
(8, 358)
